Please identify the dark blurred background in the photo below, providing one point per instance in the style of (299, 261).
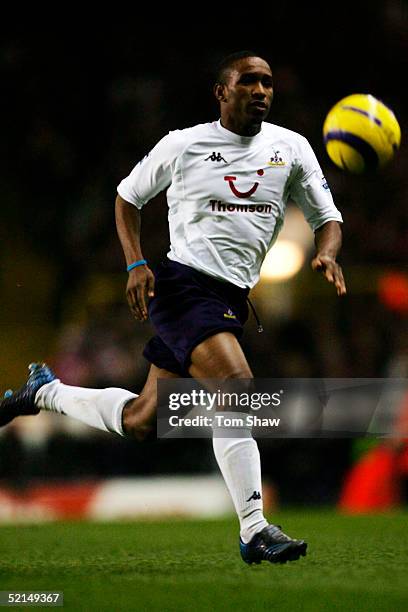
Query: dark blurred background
(79, 108)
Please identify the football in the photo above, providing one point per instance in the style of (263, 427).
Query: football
(361, 133)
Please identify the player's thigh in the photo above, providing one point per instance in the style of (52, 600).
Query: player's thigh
(220, 356)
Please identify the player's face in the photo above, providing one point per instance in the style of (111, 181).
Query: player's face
(248, 91)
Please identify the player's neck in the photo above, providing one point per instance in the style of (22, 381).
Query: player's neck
(237, 127)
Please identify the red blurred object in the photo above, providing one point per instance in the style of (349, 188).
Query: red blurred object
(393, 291)
(373, 484)
(67, 501)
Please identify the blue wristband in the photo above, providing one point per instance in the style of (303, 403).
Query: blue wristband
(135, 264)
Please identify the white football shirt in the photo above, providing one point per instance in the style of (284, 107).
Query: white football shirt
(227, 194)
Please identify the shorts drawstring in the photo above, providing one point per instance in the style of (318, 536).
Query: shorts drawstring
(260, 328)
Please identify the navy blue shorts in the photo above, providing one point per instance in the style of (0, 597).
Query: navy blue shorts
(187, 308)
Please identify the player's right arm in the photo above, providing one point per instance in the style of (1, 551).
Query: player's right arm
(150, 176)
(141, 280)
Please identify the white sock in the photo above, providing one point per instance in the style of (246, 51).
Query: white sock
(239, 461)
(100, 408)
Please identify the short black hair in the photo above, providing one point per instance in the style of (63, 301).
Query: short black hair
(226, 64)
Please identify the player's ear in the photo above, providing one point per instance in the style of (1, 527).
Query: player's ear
(220, 92)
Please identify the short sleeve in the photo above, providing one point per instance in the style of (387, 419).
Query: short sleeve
(154, 172)
(310, 191)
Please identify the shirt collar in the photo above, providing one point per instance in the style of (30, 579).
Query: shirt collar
(237, 138)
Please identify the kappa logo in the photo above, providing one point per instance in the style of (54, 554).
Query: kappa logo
(255, 495)
(217, 157)
(276, 160)
(229, 314)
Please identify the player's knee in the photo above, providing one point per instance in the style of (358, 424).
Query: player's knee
(236, 373)
(237, 380)
(138, 432)
(137, 419)
(135, 428)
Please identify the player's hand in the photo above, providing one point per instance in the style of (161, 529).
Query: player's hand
(140, 286)
(331, 270)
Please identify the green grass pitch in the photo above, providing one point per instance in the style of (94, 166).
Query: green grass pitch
(353, 563)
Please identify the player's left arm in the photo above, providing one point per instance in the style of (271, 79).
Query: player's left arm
(328, 240)
(311, 192)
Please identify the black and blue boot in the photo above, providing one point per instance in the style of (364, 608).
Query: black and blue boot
(22, 402)
(272, 545)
